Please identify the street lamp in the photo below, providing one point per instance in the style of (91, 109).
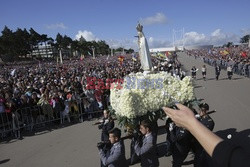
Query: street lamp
(93, 50)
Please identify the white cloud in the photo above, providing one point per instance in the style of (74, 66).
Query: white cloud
(194, 38)
(217, 33)
(133, 43)
(245, 31)
(217, 37)
(87, 35)
(127, 43)
(159, 18)
(157, 43)
(56, 26)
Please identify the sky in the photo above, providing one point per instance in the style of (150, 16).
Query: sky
(190, 22)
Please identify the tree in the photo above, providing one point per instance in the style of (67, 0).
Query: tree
(67, 42)
(84, 46)
(21, 43)
(1, 47)
(35, 39)
(229, 44)
(59, 40)
(6, 40)
(64, 43)
(7, 45)
(120, 49)
(130, 51)
(44, 40)
(102, 48)
(245, 39)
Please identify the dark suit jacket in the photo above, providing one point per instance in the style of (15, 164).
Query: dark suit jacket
(147, 152)
(115, 157)
(106, 127)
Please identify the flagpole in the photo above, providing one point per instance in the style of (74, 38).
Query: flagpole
(61, 60)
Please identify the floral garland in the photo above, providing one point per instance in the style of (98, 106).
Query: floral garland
(144, 94)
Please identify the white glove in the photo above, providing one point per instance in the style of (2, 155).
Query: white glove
(197, 116)
(171, 126)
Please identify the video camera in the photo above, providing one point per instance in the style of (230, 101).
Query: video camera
(137, 136)
(103, 144)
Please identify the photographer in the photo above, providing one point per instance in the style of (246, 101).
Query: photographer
(204, 118)
(116, 155)
(207, 121)
(106, 125)
(146, 150)
(223, 152)
(180, 140)
(136, 137)
(168, 139)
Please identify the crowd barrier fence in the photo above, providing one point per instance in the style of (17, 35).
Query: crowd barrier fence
(34, 118)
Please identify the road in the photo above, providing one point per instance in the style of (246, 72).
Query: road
(75, 145)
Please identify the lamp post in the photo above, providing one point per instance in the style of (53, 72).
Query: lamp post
(60, 53)
(93, 51)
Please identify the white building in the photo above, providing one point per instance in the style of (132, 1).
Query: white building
(169, 49)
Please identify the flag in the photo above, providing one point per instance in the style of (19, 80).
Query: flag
(224, 52)
(161, 55)
(168, 53)
(244, 54)
(121, 58)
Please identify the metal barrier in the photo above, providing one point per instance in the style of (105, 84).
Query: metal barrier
(36, 117)
(6, 123)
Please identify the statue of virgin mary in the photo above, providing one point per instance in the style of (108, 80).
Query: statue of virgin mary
(143, 50)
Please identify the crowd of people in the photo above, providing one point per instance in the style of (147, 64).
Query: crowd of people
(61, 91)
(233, 59)
(48, 91)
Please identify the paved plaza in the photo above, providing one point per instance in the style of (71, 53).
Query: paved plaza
(75, 145)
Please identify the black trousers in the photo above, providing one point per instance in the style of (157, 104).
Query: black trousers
(179, 156)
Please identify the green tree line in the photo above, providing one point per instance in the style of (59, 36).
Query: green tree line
(19, 44)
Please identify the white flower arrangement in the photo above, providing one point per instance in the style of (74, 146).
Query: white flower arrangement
(142, 93)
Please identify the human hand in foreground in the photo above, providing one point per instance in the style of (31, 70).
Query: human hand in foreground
(185, 118)
(182, 117)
